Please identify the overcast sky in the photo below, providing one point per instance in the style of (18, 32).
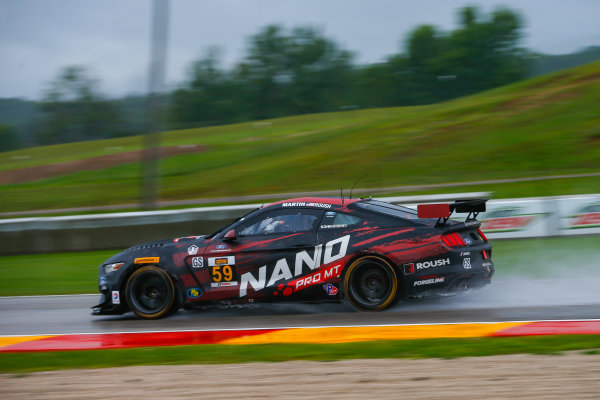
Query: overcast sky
(111, 37)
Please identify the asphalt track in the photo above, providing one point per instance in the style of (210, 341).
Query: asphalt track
(517, 299)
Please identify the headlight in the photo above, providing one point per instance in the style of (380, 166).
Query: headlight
(108, 268)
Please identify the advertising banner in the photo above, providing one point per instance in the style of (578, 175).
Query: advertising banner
(579, 215)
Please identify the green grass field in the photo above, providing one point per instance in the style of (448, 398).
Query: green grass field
(225, 354)
(72, 273)
(546, 126)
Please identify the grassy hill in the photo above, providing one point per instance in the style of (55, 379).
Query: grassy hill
(545, 126)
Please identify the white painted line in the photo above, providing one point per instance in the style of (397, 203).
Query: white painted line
(48, 295)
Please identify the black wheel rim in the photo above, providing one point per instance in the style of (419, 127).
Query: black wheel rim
(370, 284)
(150, 292)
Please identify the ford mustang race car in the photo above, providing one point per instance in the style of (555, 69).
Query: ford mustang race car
(366, 252)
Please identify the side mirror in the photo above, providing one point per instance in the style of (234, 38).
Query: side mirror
(229, 236)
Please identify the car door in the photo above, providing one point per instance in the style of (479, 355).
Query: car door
(264, 252)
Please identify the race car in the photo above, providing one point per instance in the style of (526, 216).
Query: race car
(365, 252)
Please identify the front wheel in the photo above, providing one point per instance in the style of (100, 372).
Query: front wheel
(371, 284)
(150, 292)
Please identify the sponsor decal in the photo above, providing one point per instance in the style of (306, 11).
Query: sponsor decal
(334, 226)
(470, 222)
(330, 214)
(506, 224)
(409, 268)
(116, 297)
(587, 216)
(146, 260)
(221, 246)
(304, 204)
(587, 221)
(468, 240)
(194, 293)
(322, 255)
(465, 253)
(192, 250)
(228, 260)
(467, 263)
(433, 264)
(320, 205)
(430, 281)
(176, 240)
(330, 289)
(317, 277)
(508, 219)
(197, 262)
(224, 284)
(102, 281)
(486, 264)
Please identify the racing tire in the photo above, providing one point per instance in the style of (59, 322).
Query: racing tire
(150, 292)
(371, 284)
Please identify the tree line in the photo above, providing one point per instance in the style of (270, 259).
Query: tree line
(298, 71)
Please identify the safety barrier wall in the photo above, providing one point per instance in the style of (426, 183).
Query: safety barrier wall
(506, 218)
(546, 216)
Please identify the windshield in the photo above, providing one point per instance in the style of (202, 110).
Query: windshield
(389, 209)
(227, 227)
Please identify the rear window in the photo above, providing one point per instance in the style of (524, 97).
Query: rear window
(333, 220)
(389, 209)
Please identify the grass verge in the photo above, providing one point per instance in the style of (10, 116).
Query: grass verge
(540, 127)
(223, 354)
(73, 273)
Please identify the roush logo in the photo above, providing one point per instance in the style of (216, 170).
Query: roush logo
(433, 264)
(430, 281)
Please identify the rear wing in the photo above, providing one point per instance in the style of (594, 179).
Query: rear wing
(443, 211)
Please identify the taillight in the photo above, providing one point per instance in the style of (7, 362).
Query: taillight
(453, 240)
(482, 235)
(485, 256)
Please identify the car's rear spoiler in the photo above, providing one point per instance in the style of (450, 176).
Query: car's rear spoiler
(443, 211)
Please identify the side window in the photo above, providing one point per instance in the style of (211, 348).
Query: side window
(333, 220)
(281, 223)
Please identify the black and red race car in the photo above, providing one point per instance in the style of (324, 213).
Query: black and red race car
(367, 252)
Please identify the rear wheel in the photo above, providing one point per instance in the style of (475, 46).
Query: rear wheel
(371, 284)
(150, 292)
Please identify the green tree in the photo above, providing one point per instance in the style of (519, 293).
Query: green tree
(208, 98)
(292, 73)
(73, 109)
(8, 138)
(426, 47)
(482, 53)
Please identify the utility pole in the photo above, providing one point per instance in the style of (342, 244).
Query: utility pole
(155, 105)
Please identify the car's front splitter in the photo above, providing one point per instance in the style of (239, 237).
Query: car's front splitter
(106, 307)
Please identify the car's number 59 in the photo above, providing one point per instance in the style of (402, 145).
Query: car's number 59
(221, 273)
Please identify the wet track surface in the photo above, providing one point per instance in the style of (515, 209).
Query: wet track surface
(514, 300)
